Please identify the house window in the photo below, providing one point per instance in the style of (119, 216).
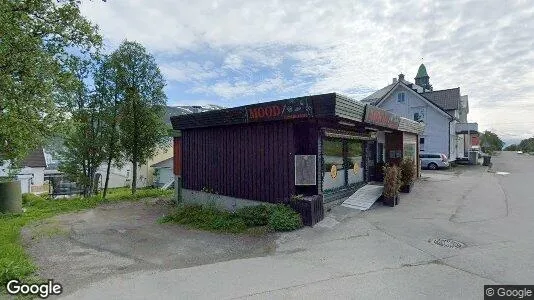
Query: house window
(419, 114)
(400, 97)
(422, 144)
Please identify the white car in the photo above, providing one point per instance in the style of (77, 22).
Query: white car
(519, 152)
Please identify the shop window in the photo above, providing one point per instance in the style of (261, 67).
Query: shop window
(342, 163)
(380, 153)
(409, 151)
(354, 161)
(333, 171)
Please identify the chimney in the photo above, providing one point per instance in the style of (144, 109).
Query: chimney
(394, 80)
(401, 77)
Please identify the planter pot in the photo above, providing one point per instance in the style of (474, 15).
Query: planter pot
(10, 197)
(406, 188)
(310, 208)
(390, 201)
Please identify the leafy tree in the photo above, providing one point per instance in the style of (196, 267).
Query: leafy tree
(490, 142)
(111, 96)
(83, 152)
(512, 147)
(527, 145)
(140, 120)
(38, 37)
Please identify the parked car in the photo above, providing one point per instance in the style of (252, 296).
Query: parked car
(519, 152)
(434, 161)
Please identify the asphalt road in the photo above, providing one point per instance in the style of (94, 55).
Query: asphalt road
(383, 253)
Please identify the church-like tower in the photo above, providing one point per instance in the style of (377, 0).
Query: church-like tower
(422, 79)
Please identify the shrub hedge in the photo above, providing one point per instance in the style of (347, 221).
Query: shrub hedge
(276, 217)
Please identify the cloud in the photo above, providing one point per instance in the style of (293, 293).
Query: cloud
(235, 50)
(188, 71)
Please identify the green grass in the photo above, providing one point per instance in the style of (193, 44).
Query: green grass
(254, 220)
(14, 262)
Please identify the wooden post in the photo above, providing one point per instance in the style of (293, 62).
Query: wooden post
(177, 165)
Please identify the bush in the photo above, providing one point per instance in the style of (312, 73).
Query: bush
(283, 218)
(262, 217)
(31, 199)
(254, 215)
(230, 223)
(407, 170)
(391, 181)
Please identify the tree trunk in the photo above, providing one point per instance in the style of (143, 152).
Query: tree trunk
(84, 175)
(108, 169)
(134, 179)
(111, 149)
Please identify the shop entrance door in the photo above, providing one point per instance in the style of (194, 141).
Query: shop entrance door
(371, 160)
(342, 167)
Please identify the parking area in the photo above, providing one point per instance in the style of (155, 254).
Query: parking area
(79, 248)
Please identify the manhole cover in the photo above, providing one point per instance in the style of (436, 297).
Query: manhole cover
(448, 243)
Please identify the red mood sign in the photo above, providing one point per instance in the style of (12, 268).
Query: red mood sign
(381, 117)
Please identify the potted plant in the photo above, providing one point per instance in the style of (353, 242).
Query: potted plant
(390, 194)
(379, 171)
(310, 208)
(407, 175)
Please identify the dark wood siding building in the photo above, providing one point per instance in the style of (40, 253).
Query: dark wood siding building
(270, 152)
(243, 161)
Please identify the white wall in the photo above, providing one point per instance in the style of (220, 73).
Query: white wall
(121, 177)
(461, 146)
(454, 142)
(38, 175)
(164, 176)
(437, 133)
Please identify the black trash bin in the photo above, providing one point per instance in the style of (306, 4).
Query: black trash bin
(487, 160)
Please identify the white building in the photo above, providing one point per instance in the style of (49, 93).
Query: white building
(444, 113)
(30, 173)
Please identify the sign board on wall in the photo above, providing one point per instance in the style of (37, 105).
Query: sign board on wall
(380, 117)
(475, 140)
(280, 110)
(305, 169)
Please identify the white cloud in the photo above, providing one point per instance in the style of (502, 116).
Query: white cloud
(188, 71)
(485, 47)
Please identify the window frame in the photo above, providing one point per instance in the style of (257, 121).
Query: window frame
(401, 97)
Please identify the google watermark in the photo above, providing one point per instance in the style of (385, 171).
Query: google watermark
(509, 292)
(42, 290)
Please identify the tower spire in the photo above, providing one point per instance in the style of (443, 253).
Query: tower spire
(422, 79)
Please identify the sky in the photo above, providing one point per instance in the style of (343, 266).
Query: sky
(232, 53)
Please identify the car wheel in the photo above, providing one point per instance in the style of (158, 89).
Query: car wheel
(432, 166)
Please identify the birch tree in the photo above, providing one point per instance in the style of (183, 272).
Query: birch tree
(141, 113)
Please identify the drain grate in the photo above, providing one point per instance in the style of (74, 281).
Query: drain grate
(447, 243)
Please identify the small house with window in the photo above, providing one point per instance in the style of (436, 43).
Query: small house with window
(325, 145)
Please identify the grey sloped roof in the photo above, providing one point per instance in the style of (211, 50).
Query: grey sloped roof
(36, 159)
(376, 96)
(166, 163)
(446, 99)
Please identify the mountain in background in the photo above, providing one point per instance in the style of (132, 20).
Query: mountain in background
(508, 142)
(187, 109)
